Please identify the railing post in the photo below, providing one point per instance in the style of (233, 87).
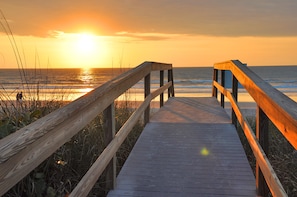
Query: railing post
(235, 95)
(215, 78)
(170, 78)
(223, 84)
(147, 91)
(161, 84)
(109, 128)
(262, 136)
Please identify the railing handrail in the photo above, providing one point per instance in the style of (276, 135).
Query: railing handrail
(272, 104)
(24, 150)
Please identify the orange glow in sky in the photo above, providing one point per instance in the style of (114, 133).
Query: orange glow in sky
(110, 34)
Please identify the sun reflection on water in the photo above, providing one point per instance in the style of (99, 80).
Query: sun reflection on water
(86, 75)
(85, 90)
(87, 78)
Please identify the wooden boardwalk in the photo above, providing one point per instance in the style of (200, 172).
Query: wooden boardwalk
(189, 148)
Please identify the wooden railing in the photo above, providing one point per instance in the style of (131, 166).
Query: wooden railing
(22, 151)
(271, 105)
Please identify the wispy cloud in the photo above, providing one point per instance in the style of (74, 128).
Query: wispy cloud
(149, 36)
(56, 33)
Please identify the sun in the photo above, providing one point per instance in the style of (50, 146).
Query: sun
(83, 50)
(86, 43)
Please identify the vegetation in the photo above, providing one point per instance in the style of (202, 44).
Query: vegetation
(282, 156)
(60, 173)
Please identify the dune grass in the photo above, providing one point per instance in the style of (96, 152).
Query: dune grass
(60, 173)
(281, 154)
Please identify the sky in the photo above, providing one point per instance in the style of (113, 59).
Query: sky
(125, 33)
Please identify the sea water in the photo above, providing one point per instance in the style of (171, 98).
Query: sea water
(70, 84)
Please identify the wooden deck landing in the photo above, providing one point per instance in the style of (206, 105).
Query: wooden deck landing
(189, 148)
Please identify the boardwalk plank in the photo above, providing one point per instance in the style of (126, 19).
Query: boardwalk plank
(189, 148)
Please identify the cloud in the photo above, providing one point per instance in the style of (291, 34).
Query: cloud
(149, 36)
(56, 34)
(197, 17)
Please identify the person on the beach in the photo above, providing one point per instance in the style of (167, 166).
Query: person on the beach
(21, 97)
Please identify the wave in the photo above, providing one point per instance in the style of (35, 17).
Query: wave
(186, 80)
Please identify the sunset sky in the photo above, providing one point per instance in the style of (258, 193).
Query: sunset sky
(124, 33)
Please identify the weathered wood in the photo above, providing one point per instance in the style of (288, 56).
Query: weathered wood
(161, 84)
(172, 85)
(279, 108)
(25, 149)
(160, 90)
(147, 91)
(215, 79)
(156, 66)
(262, 161)
(235, 95)
(222, 84)
(261, 158)
(182, 153)
(262, 137)
(109, 128)
(170, 79)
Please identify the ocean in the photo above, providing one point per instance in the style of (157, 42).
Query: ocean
(70, 84)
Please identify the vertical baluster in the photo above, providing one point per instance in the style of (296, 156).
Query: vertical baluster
(161, 84)
(223, 84)
(172, 87)
(215, 78)
(147, 91)
(262, 136)
(235, 95)
(109, 128)
(170, 78)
